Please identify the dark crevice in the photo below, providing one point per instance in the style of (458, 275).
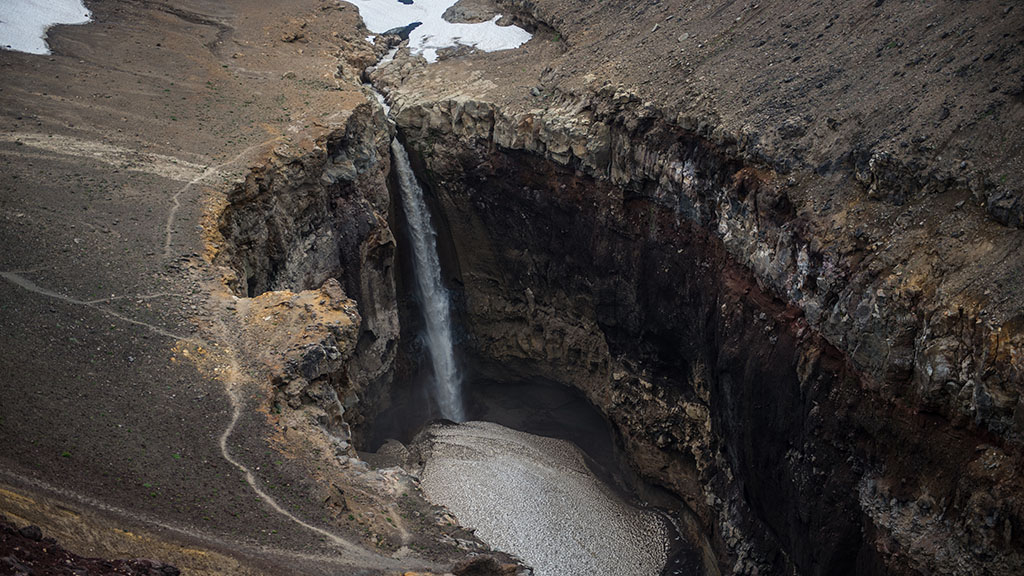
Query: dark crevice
(508, 391)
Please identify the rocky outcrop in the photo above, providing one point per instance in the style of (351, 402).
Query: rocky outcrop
(26, 551)
(306, 340)
(471, 11)
(314, 216)
(304, 245)
(829, 387)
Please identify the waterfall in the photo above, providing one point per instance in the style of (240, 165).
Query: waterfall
(432, 293)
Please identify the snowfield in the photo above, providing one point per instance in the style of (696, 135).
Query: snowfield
(435, 32)
(23, 23)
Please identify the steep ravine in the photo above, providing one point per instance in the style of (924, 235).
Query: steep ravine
(307, 255)
(823, 391)
(778, 246)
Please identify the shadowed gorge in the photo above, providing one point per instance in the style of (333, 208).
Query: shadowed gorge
(645, 288)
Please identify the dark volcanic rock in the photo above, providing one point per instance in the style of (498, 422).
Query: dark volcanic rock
(471, 11)
(403, 31)
(793, 363)
(483, 565)
(31, 532)
(25, 551)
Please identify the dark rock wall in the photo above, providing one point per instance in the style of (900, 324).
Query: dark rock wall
(666, 334)
(303, 216)
(723, 391)
(308, 215)
(819, 411)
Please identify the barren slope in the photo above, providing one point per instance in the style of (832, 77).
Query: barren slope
(137, 410)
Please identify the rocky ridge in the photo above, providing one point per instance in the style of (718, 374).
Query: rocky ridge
(316, 212)
(307, 217)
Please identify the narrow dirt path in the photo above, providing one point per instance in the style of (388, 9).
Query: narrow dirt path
(210, 171)
(355, 555)
(30, 286)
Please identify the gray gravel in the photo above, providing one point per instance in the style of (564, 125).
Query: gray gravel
(535, 497)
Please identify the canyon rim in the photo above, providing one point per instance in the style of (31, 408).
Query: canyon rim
(775, 248)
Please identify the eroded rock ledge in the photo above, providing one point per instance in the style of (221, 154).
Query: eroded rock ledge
(306, 258)
(310, 216)
(831, 382)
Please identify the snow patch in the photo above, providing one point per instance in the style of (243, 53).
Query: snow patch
(536, 498)
(23, 23)
(435, 32)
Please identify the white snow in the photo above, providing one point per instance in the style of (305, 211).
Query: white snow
(536, 498)
(436, 33)
(23, 23)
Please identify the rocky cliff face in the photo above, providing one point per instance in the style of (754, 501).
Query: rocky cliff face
(778, 244)
(312, 215)
(830, 381)
(304, 246)
(822, 361)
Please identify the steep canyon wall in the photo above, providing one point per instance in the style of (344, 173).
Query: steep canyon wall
(825, 394)
(310, 215)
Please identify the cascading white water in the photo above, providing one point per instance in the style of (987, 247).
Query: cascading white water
(432, 293)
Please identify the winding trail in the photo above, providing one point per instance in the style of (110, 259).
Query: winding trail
(355, 554)
(30, 286)
(172, 215)
(153, 296)
(134, 516)
(369, 558)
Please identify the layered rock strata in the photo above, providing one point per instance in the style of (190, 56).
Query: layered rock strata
(831, 382)
(312, 216)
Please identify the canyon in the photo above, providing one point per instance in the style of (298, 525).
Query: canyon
(777, 249)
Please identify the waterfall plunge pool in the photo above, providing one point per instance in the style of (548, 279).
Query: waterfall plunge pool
(538, 472)
(535, 468)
